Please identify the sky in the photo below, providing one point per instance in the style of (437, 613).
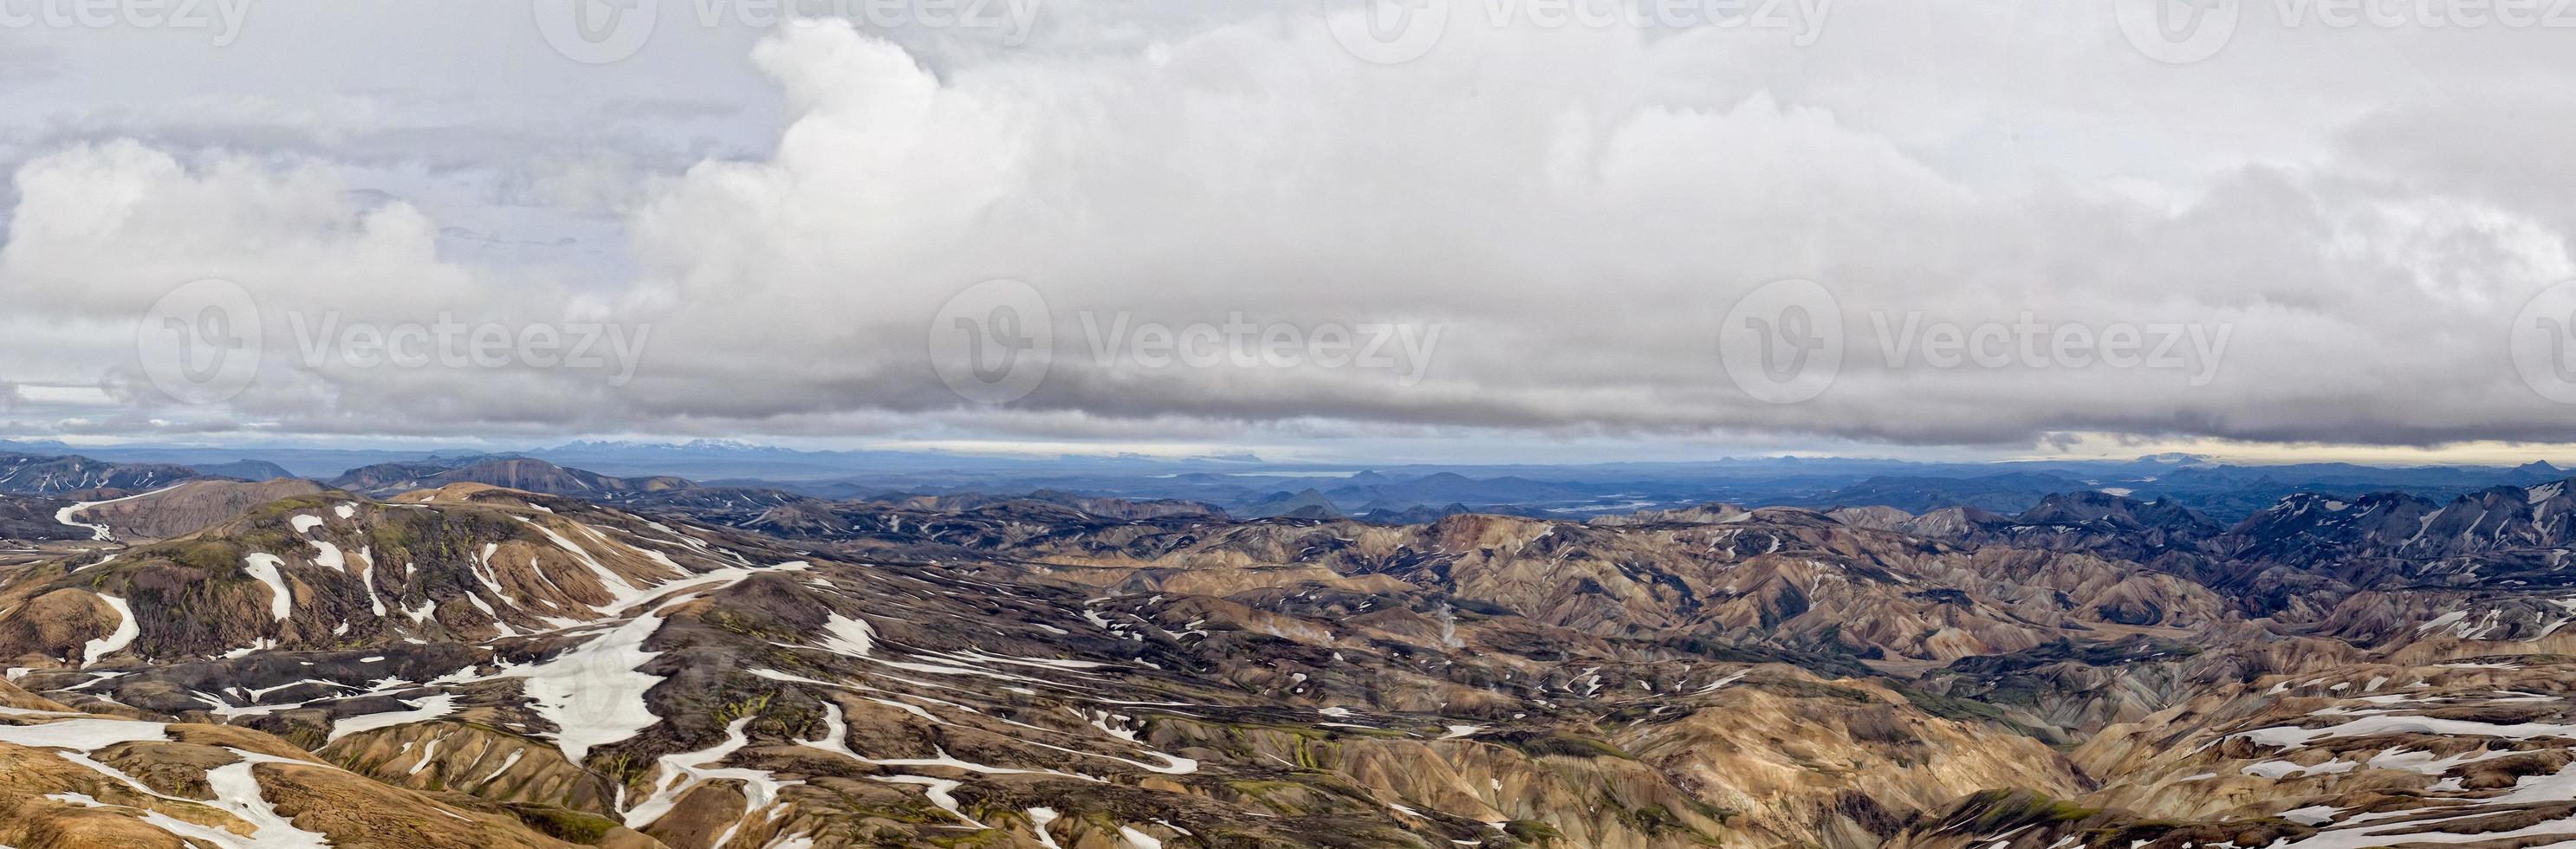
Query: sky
(1422, 230)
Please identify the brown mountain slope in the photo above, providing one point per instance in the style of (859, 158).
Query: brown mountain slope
(184, 509)
(578, 664)
(1025, 673)
(75, 780)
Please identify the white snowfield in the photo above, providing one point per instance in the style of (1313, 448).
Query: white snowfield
(236, 789)
(100, 533)
(97, 532)
(126, 630)
(426, 709)
(2446, 800)
(848, 636)
(683, 770)
(327, 556)
(2293, 736)
(265, 568)
(593, 692)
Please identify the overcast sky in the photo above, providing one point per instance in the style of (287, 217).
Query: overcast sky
(1521, 230)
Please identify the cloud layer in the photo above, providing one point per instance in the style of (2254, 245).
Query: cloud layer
(1558, 219)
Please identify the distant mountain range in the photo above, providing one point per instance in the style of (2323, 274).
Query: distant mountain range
(248, 470)
(1920, 494)
(1246, 486)
(522, 473)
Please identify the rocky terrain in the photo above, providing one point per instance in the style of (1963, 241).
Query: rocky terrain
(34, 518)
(427, 657)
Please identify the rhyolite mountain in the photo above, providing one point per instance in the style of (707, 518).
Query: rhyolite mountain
(36, 474)
(36, 519)
(427, 655)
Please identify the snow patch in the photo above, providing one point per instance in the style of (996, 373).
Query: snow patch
(424, 710)
(264, 567)
(126, 630)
